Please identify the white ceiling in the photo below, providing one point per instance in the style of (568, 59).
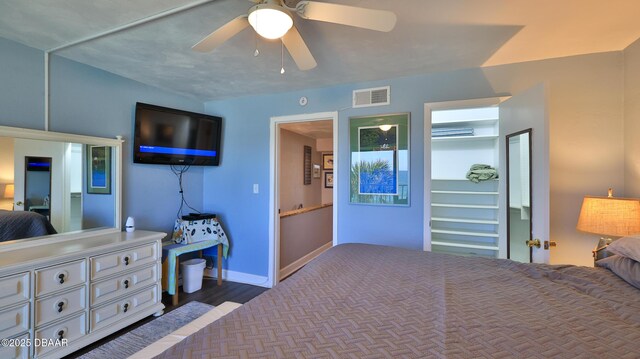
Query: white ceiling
(431, 36)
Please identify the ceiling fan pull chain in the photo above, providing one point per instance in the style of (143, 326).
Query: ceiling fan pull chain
(281, 57)
(256, 53)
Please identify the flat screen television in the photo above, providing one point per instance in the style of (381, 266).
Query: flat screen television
(174, 137)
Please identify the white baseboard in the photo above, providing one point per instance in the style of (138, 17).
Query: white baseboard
(291, 268)
(239, 277)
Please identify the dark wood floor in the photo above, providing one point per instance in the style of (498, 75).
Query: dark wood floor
(210, 294)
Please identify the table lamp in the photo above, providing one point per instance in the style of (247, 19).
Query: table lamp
(609, 217)
(9, 190)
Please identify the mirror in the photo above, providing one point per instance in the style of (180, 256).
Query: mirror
(72, 180)
(37, 185)
(519, 196)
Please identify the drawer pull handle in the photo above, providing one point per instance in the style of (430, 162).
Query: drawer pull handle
(126, 284)
(61, 335)
(126, 261)
(126, 307)
(61, 278)
(60, 305)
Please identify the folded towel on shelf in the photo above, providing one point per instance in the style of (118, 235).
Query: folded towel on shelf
(481, 172)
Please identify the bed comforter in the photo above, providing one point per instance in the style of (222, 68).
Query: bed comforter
(364, 301)
(23, 224)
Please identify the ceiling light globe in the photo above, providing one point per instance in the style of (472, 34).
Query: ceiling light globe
(270, 21)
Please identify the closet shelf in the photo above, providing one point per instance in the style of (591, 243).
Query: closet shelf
(460, 179)
(464, 220)
(464, 138)
(476, 206)
(466, 233)
(466, 192)
(460, 122)
(465, 245)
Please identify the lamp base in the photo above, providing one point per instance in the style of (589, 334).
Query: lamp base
(599, 252)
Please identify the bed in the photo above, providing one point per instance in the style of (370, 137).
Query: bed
(365, 301)
(23, 224)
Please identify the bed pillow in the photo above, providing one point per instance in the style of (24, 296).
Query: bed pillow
(625, 268)
(627, 247)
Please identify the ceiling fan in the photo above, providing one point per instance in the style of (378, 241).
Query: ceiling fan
(272, 19)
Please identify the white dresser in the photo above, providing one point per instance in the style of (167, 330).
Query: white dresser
(60, 295)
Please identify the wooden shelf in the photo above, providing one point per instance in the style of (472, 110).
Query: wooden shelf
(465, 245)
(475, 206)
(466, 192)
(437, 124)
(464, 220)
(464, 138)
(460, 179)
(465, 233)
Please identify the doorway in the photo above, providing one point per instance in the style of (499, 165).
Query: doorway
(303, 205)
(37, 185)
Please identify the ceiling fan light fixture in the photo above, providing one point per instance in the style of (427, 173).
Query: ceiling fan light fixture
(270, 21)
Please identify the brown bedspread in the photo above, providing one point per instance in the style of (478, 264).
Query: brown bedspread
(364, 301)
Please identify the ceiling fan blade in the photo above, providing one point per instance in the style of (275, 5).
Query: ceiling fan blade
(221, 35)
(298, 50)
(380, 20)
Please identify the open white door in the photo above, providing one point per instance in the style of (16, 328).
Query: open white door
(521, 112)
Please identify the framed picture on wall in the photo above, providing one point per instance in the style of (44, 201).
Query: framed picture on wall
(327, 161)
(379, 159)
(98, 169)
(328, 180)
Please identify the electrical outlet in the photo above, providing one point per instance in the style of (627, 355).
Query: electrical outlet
(256, 188)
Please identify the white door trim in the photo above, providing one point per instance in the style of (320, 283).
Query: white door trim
(274, 196)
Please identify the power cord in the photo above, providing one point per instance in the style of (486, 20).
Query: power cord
(179, 171)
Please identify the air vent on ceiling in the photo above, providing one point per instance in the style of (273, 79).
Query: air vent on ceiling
(371, 97)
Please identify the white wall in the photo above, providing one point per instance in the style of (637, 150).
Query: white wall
(586, 150)
(6, 170)
(325, 145)
(293, 191)
(632, 119)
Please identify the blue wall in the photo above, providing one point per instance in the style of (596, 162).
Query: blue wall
(580, 88)
(22, 85)
(88, 101)
(245, 160)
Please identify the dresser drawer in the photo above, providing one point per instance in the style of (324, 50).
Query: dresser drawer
(70, 329)
(14, 321)
(16, 351)
(60, 305)
(51, 279)
(104, 291)
(113, 312)
(14, 289)
(107, 264)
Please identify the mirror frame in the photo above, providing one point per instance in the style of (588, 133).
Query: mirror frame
(508, 194)
(115, 143)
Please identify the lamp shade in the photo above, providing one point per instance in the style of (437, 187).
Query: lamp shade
(9, 190)
(609, 216)
(270, 21)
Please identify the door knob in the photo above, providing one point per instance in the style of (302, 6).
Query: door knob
(533, 243)
(19, 203)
